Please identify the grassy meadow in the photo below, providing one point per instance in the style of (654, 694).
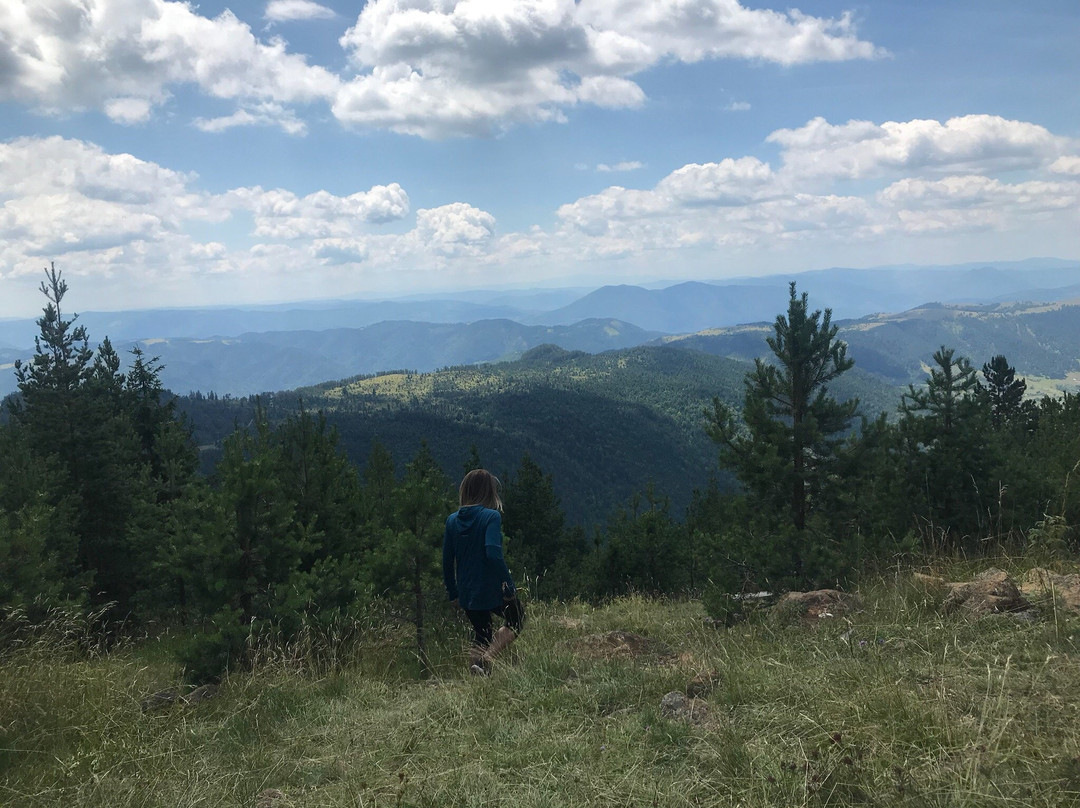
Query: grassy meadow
(894, 705)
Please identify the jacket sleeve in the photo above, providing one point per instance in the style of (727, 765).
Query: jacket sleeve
(449, 579)
(493, 548)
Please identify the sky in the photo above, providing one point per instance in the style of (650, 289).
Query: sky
(180, 154)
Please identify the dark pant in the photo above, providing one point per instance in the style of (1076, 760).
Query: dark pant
(511, 611)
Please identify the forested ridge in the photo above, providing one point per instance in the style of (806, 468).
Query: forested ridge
(102, 507)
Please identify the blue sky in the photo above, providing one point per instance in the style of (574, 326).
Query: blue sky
(171, 154)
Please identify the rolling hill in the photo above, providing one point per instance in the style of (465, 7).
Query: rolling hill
(604, 425)
(1039, 340)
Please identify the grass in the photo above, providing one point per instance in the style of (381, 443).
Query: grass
(895, 706)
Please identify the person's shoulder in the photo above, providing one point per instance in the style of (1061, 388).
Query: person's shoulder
(492, 515)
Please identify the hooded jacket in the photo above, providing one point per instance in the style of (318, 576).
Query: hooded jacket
(474, 570)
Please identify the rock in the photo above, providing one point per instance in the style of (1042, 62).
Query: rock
(703, 684)
(673, 704)
(990, 592)
(678, 707)
(819, 604)
(160, 700)
(1039, 582)
(620, 645)
(271, 798)
(201, 694)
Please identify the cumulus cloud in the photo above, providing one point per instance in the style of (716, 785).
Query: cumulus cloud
(288, 10)
(920, 178)
(443, 67)
(454, 229)
(433, 68)
(630, 165)
(60, 197)
(972, 143)
(122, 56)
(1066, 164)
(281, 214)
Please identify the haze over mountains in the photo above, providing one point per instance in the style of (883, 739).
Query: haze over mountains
(240, 351)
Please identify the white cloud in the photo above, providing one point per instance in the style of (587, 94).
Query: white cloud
(630, 165)
(738, 106)
(281, 214)
(1066, 164)
(128, 110)
(693, 30)
(457, 228)
(972, 143)
(729, 182)
(745, 202)
(448, 67)
(433, 68)
(59, 198)
(122, 56)
(266, 114)
(288, 10)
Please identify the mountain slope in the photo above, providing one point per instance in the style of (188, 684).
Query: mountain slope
(604, 425)
(1038, 340)
(282, 360)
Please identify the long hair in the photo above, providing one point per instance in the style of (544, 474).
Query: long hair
(480, 487)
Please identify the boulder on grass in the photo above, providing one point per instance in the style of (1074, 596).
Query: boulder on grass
(991, 592)
(1042, 583)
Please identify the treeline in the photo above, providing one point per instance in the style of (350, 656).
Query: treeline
(102, 505)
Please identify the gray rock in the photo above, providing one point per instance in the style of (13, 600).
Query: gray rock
(674, 705)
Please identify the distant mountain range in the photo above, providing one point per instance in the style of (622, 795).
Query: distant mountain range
(245, 350)
(282, 360)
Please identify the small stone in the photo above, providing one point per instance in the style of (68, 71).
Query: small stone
(160, 700)
(678, 707)
(673, 704)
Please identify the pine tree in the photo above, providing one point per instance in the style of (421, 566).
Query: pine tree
(539, 548)
(406, 562)
(71, 405)
(943, 434)
(1005, 392)
(792, 428)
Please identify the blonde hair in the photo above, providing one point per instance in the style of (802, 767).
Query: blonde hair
(480, 487)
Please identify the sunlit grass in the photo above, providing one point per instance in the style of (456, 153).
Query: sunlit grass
(895, 705)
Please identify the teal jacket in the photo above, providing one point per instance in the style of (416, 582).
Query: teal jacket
(473, 567)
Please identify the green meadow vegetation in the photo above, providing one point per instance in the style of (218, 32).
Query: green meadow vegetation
(275, 633)
(895, 705)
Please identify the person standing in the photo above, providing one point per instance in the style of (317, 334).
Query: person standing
(475, 572)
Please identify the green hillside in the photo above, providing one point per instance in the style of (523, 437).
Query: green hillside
(1040, 340)
(604, 425)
